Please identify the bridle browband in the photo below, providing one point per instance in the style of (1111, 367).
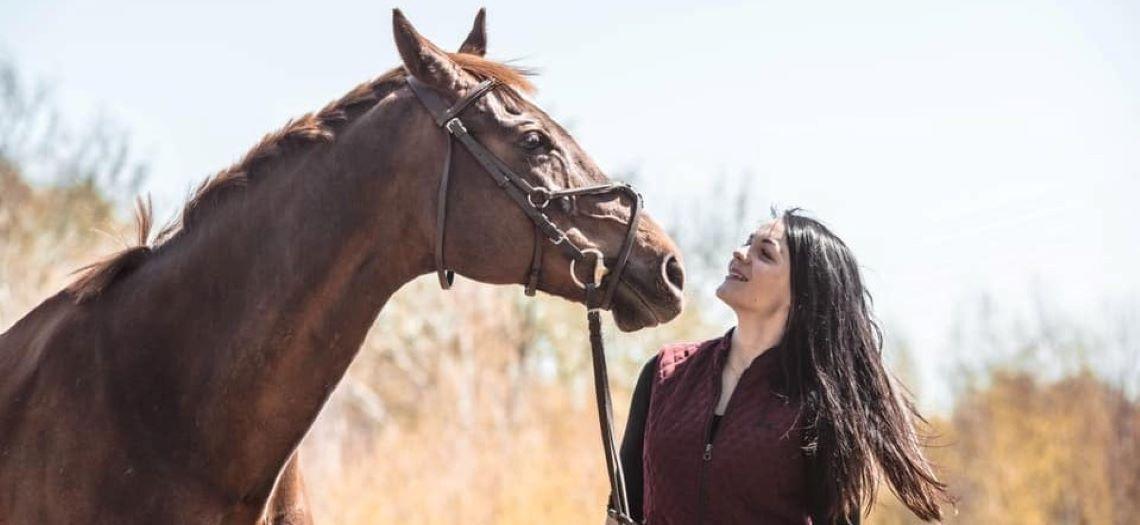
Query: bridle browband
(533, 200)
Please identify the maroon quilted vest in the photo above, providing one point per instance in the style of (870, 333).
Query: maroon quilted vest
(754, 471)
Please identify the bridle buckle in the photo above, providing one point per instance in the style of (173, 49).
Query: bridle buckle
(455, 126)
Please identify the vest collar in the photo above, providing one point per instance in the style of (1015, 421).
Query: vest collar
(766, 361)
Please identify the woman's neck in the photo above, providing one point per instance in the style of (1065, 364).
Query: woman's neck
(755, 333)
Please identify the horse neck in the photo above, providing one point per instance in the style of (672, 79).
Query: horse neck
(256, 313)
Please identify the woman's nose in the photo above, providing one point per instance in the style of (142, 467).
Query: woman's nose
(739, 254)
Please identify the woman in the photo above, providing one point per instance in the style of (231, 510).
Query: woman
(790, 415)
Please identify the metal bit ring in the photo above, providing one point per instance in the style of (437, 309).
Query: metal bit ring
(600, 269)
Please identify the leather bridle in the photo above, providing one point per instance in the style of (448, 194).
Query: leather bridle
(533, 200)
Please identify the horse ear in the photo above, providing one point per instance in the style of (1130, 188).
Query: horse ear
(476, 43)
(423, 60)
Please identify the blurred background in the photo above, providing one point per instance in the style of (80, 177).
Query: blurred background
(982, 159)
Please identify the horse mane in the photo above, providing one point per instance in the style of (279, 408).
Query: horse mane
(312, 128)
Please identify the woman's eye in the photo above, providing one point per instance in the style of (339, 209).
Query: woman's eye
(533, 141)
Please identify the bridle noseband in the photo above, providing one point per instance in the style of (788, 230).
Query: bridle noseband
(533, 200)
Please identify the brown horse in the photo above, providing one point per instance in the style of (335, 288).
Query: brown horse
(172, 382)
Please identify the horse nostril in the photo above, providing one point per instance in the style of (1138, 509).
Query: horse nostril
(674, 273)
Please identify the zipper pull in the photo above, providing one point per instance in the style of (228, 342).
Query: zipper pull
(708, 452)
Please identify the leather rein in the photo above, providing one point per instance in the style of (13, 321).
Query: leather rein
(533, 200)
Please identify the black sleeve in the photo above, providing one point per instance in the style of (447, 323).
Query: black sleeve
(633, 439)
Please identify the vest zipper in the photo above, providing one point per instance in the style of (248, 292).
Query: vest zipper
(706, 458)
(702, 495)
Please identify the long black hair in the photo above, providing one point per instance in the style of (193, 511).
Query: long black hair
(859, 422)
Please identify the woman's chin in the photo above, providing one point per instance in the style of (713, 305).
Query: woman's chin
(727, 292)
(725, 289)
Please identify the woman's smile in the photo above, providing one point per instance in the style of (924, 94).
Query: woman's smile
(735, 275)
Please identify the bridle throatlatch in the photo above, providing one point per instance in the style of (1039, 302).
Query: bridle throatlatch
(533, 200)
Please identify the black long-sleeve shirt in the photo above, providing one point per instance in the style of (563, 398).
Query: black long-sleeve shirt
(632, 441)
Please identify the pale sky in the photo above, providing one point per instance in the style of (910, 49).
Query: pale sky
(956, 146)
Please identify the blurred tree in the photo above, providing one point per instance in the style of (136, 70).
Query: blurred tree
(1037, 435)
(49, 221)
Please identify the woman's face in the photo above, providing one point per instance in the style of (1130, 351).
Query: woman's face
(758, 281)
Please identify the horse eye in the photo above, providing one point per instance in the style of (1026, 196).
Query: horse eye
(533, 141)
